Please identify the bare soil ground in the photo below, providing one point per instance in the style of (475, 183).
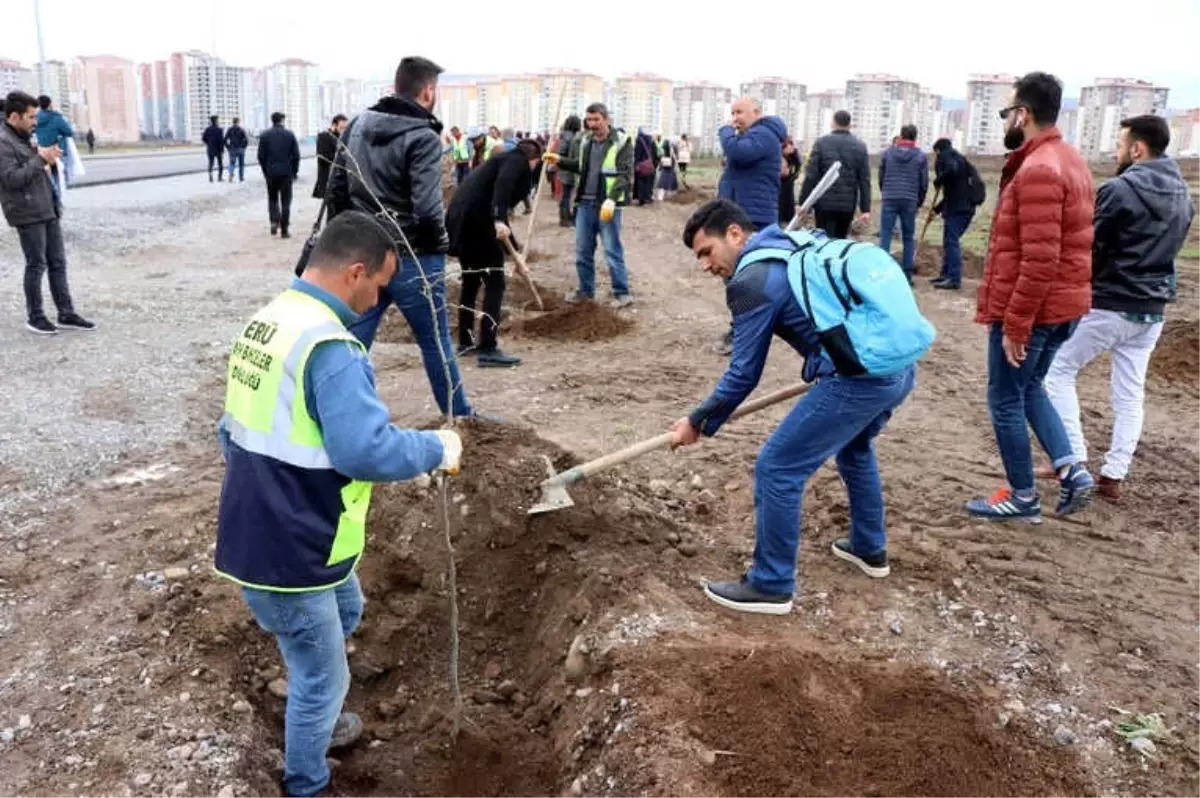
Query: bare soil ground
(988, 663)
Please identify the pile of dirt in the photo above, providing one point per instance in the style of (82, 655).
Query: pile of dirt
(1177, 356)
(583, 321)
(930, 257)
(519, 296)
(691, 195)
(777, 721)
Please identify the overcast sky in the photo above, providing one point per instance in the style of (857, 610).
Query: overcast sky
(1077, 41)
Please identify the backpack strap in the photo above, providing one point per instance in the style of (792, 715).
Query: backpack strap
(766, 253)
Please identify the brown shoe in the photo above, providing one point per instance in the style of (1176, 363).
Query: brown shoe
(1109, 488)
(1045, 472)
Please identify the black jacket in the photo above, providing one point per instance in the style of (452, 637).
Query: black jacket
(853, 187)
(1142, 219)
(951, 176)
(235, 138)
(397, 144)
(25, 192)
(278, 153)
(327, 147)
(485, 197)
(214, 139)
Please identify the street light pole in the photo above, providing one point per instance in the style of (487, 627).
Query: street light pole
(37, 19)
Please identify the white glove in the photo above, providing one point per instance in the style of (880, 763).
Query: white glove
(607, 210)
(451, 451)
(502, 230)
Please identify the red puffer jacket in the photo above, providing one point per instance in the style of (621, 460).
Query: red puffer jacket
(1039, 261)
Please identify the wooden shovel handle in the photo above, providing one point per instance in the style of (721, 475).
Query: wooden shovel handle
(523, 270)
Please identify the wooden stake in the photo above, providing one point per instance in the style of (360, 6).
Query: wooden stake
(523, 270)
(537, 194)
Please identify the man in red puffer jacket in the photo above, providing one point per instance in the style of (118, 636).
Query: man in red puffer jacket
(1036, 286)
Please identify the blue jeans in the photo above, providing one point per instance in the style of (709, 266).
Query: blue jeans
(1016, 397)
(838, 417)
(238, 158)
(953, 227)
(407, 290)
(906, 212)
(311, 630)
(587, 227)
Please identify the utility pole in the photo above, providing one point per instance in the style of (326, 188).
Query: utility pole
(37, 19)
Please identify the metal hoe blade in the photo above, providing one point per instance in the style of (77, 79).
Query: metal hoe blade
(554, 493)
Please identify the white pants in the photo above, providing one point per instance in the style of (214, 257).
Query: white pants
(1130, 344)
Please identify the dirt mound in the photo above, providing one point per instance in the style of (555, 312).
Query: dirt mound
(518, 295)
(584, 321)
(691, 195)
(1177, 355)
(785, 722)
(930, 257)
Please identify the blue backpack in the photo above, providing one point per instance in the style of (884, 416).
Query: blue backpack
(858, 299)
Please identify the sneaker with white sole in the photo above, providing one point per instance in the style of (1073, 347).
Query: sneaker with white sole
(875, 566)
(622, 301)
(1004, 505)
(41, 326)
(73, 321)
(742, 596)
(576, 297)
(1075, 491)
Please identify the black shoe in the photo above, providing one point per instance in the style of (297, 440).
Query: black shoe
(73, 321)
(285, 234)
(41, 326)
(941, 278)
(874, 566)
(744, 597)
(947, 285)
(274, 229)
(495, 358)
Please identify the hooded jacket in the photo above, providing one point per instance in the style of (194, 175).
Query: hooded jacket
(1142, 219)
(751, 176)
(903, 174)
(397, 145)
(52, 129)
(952, 176)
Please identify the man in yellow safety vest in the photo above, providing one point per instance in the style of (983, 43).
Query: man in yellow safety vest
(305, 436)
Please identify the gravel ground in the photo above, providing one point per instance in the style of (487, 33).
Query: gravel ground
(147, 263)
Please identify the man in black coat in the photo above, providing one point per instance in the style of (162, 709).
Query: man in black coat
(237, 142)
(952, 174)
(327, 147)
(214, 144)
(478, 223)
(835, 211)
(279, 159)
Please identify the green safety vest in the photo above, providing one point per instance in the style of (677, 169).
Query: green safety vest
(266, 415)
(490, 144)
(462, 149)
(608, 167)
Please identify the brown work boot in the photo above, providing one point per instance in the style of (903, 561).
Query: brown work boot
(1109, 488)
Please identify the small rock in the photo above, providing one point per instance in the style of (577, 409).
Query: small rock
(1144, 746)
(25, 722)
(144, 733)
(577, 787)
(540, 568)
(278, 688)
(1054, 709)
(584, 692)
(1064, 736)
(492, 670)
(72, 760)
(673, 537)
(697, 481)
(576, 666)
(98, 709)
(179, 788)
(688, 548)
(896, 627)
(22, 545)
(142, 779)
(175, 573)
(730, 487)
(958, 583)
(185, 697)
(707, 757)
(660, 487)
(182, 752)
(226, 792)
(1015, 706)
(507, 688)
(1002, 719)
(7, 735)
(242, 707)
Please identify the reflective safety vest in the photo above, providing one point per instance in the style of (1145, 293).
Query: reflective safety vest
(462, 149)
(608, 167)
(287, 521)
(490, 145)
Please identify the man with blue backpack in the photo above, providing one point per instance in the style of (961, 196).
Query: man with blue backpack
(849, 311)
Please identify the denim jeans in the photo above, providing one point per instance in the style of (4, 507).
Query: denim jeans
(587, 227)
(311, 629)
(1016, 397)
(906, 212)
(407, 290)
(953, 227)
(838, 417)
(564, 202)
(44, 251)
(237, 158)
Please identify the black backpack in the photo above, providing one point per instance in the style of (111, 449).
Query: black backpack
(976, 189)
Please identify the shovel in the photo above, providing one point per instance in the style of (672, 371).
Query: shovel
(554, 490)
(827, 180)
(523, 270)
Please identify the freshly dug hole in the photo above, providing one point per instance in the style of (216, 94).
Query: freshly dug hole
(1177, 356)
(583, 321)
(930, 257)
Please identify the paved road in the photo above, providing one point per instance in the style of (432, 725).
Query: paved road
(114, 169)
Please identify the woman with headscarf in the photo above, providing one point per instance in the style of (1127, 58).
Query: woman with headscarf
(667, 182)
(569, 140)
(789, 168)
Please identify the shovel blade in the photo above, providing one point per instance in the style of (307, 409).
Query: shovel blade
(554, 495)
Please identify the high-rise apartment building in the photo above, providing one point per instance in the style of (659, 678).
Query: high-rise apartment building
(1104, 104)
(15, 77)
(179, 94)
(293, 86)
(781, 97)
(929, 119)
(880, 104)
(987, 95)
(54, 79)
(577, 91)
(458, 104)
(700, 111)
(104, 92)
(642, 100)
(819, 115)
(1185, 133)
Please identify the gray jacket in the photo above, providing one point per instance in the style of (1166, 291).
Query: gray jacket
(26, 195)
(397, 145)
(568, 147)
(853, 187)
(579, 165)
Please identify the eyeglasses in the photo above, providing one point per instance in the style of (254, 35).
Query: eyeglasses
(1004, 112)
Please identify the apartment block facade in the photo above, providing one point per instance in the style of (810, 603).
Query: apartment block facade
(787, 99)
(104, 97)
(879, 105)
(1104, 104)
(986, 96)
(642, 100)
(700, 109)
(819, 115)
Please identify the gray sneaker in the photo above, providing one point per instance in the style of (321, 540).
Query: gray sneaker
(346, 731)
(744, 597)
(622, 301)
(578, 296)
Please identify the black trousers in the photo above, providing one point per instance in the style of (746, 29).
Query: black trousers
(279, 201)
(216, 159)
(493, 281)
(836, 224)
(42, 244)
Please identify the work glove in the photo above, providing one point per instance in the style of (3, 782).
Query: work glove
(607, 210)
(451, 451)
(551, 158)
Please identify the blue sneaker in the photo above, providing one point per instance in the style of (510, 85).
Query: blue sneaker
(1003, 505)
(1075, 491)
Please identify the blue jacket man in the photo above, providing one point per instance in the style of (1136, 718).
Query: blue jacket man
(753, 148)
(305, 435)
(903, 182)
(838, 417)
(52, 129)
